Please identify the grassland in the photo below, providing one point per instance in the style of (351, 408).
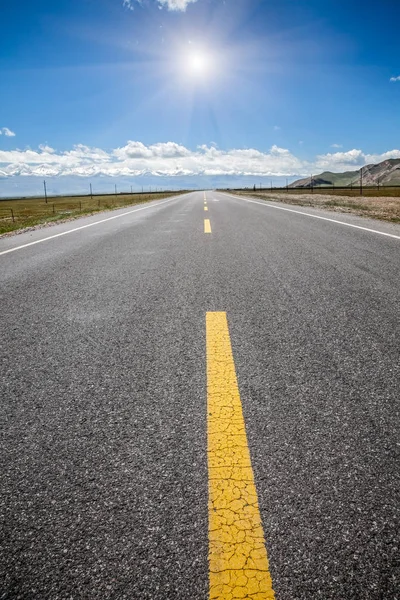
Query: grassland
(368, 192)
(384, 205)
(21, 213)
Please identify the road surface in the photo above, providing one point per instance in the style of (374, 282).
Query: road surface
(120, 341)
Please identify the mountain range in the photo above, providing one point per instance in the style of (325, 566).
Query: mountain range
(385, 173)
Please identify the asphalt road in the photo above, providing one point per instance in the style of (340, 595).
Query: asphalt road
(103, 383)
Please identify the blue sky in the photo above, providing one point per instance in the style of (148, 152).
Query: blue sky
(203, 92)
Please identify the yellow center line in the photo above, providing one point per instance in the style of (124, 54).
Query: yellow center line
(206, 208)
(207, 226)
(238, 558)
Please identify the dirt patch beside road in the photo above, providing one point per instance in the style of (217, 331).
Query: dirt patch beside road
(375, 207)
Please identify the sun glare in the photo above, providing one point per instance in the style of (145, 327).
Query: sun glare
(198, 64)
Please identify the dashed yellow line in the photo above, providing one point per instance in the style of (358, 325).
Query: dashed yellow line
(238, 559)
(207, 226)
(206, 208)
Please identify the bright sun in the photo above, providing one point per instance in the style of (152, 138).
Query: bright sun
(198, 64)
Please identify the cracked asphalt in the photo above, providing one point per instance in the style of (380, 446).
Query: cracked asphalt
(103, 464)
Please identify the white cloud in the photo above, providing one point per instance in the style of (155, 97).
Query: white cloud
(173, 5)
(340, 161)
(351, 160)
(171, 159)
(45, 148)
(176, 4)
(7, 132)
(375, 158)
(128, 4)
(139, 150)
(395, 78)
(336, 146)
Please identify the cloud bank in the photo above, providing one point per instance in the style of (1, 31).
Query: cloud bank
(169, 159)
(395, 78)
(351, 160)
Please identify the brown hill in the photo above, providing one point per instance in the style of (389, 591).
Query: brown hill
(385, 173)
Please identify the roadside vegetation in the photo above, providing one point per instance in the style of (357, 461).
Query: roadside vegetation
(381, 204)
(21, 213)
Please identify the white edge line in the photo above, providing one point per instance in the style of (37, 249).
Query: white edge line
(51, 237)
(299, 212)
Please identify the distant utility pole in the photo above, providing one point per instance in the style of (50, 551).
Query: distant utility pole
(131, 190)
(91, 192)
(115, 189)
(45, 191)
(361, 181)
(271, 185)
(312, 184)
(287, 184)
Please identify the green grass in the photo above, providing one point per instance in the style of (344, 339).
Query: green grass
(20, 213)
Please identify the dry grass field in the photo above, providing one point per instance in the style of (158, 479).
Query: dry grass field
(27, 212)
(384, 207)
